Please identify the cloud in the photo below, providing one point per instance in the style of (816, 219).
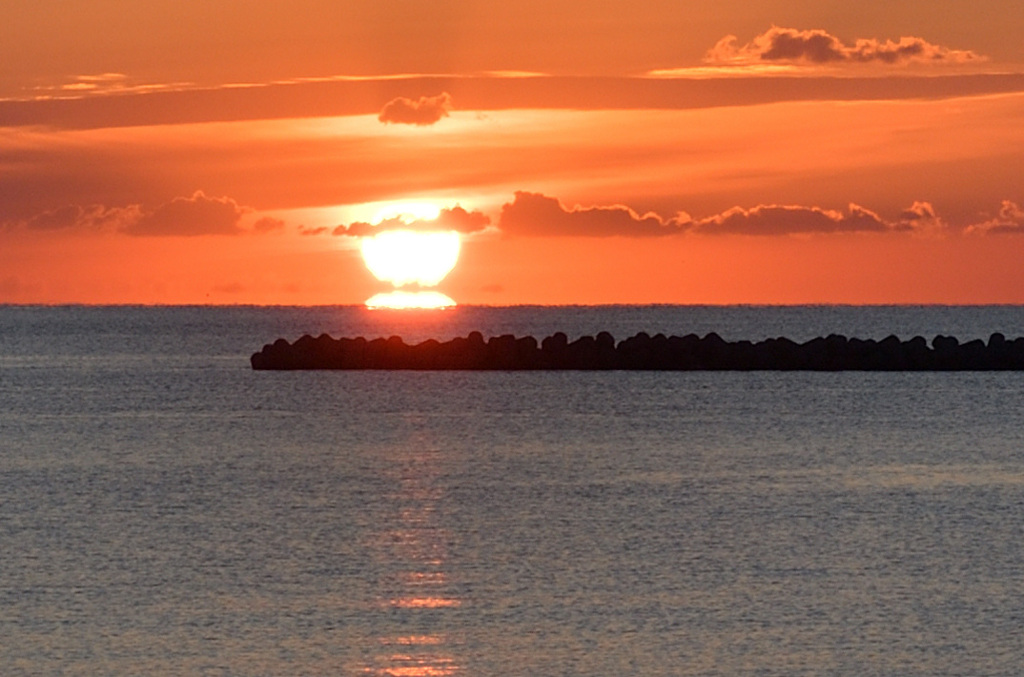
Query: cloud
(268, 224)
(709, 86)
(533, 214)
(189, 216)
(921, 218)
(62, 218)
(790, 45)
(203, 215)
(454, 218)
(424, 111)
(101, 84)
(195, 215)
(96, 82)
(92, 217)
(796, 219)
(536, 214)
(1009, 221)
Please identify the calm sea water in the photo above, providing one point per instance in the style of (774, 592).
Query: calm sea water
(165, 510)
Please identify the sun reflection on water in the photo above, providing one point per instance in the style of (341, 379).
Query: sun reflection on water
(407, 300)
(425, 603)
(416, 592)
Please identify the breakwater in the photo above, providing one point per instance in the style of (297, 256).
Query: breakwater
(644, 352)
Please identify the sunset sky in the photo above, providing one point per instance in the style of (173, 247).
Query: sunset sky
(666, 151)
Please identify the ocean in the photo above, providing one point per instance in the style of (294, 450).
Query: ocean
(165, 510)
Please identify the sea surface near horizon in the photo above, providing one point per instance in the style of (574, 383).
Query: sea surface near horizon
(166, 510)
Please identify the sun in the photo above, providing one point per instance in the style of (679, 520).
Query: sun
(407, 254)
(407, 257)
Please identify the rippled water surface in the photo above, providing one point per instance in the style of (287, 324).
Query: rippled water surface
(166, 510)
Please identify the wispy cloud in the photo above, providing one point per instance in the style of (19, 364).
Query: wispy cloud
(718, 71)
(102, 84)
(711, 85)
(97, 82)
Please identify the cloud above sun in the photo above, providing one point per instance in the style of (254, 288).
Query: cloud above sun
(536, 214)
(527, 215)
(449, 218)
(790, 45)
(533, 214)
(426, 110)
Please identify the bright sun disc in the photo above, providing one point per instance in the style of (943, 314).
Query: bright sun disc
(404, 257)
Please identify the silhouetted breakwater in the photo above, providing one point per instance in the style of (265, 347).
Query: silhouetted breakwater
(644, 352)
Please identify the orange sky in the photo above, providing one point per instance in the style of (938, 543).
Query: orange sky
(826, 152)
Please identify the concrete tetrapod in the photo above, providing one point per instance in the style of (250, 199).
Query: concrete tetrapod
(643, 352)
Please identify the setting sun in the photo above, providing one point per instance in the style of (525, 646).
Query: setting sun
(405, 257)
(467, 337)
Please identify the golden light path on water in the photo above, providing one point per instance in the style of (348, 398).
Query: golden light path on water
(416, 591)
